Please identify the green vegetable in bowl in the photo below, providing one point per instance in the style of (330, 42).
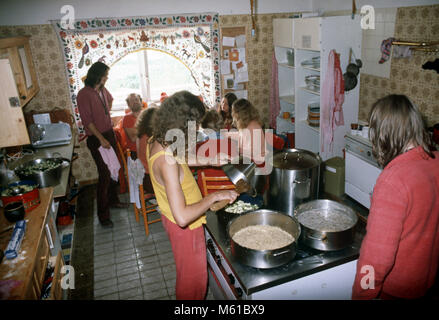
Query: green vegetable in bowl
(16, 190)
(39, 167)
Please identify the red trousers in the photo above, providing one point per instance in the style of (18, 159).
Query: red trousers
(189, 248)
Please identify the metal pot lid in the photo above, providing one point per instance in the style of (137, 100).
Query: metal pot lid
(295, 159)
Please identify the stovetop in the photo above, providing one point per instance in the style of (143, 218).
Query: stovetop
(306, 262)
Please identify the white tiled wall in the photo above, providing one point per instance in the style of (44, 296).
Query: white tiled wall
(372, 38)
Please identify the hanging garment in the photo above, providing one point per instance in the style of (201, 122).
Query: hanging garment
(274, 93)
(386, 49)
(402, 52)
(136, 172)
(332, 100)
(111, 160)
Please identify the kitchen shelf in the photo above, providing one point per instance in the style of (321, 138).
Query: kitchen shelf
(288, 99)
(312, 69)
(286, 65)
(306, 124)
(284, 125)
(310, 91)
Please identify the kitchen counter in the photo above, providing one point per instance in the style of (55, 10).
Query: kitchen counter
(64, 151)
(253, 280)
(22, 268)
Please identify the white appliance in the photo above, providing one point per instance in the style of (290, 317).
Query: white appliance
(361, 169)
(50, 134)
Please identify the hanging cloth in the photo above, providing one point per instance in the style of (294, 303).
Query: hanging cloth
(111, 160)
(136, 172)
(274, 93)
(332, 100)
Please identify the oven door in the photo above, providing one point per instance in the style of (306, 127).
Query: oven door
(360, 178)
(222, 282)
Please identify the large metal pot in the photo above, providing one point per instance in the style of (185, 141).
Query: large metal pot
(264, 259)
(44, 178)
(319, 238)
(294, 180)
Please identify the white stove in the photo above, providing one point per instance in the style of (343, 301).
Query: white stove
(361, 169)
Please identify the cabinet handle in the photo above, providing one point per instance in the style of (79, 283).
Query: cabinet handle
(23, 97)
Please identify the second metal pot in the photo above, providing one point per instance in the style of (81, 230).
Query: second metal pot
(324, 240)
(294, 180)
(264, 259)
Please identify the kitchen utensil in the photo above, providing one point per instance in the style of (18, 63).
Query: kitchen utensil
(352, 71)
(47, 178)
(25, 191)
(294, 179)
(241, 175)
(264, 259)
(320, 239)
(241, 187)
(14, 211)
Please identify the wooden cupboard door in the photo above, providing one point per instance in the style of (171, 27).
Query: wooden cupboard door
(283, 33)
(56, 292)
(13, 131)
(307, 33)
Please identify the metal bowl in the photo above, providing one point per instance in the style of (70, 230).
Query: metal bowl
(264, 259)
(319, 238)
(46, 178)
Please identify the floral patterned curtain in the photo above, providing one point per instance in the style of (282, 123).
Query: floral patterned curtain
(192, 39)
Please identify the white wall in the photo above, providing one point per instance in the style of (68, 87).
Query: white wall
(335, 5)
(25, 12)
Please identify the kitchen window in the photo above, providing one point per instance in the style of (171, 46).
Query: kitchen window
(148, 73)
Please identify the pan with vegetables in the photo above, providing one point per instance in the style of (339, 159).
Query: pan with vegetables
(45, 171)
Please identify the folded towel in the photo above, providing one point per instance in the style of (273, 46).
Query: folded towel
(111, 160)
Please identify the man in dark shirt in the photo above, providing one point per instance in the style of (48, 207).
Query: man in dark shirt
(94, 103)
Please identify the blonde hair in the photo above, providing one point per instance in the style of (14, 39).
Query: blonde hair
(244, 113)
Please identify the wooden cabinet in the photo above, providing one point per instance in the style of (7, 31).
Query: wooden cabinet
(307, 33)
(17, 51)
(19, 86)
(36, 253)
(283, 32)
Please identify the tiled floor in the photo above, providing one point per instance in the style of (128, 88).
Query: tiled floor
(128, 265)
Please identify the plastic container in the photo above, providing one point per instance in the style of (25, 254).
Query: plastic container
(335, 176)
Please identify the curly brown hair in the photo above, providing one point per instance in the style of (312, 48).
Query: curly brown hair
(175, 113)
(395, 123)
(145, 122)
(244, 112)
(212, 120)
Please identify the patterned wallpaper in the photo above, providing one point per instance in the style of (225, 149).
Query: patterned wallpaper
(407, 76)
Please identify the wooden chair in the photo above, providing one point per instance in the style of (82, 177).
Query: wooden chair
(144, 197)
(214, 180)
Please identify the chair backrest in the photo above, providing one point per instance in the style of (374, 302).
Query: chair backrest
(211, 180)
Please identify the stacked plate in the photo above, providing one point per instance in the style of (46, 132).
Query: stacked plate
(313, 82)
(312, 63)
(314, 114)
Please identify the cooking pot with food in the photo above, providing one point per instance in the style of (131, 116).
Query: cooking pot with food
(45, 171)
(326, 225)
(294, 179)
(264, 238)
(25, 191)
